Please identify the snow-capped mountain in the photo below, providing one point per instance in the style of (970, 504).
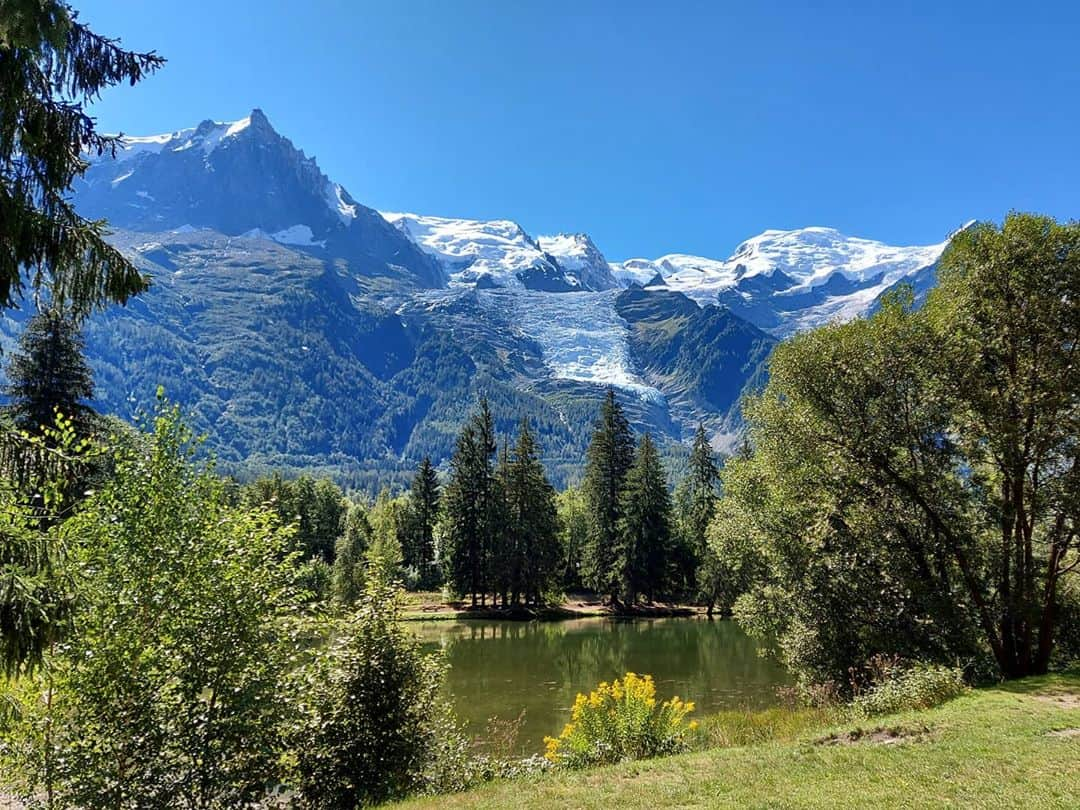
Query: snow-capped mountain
(581, 259)
(301, 327)
(788, 281)
(242, 178)
(500, 254)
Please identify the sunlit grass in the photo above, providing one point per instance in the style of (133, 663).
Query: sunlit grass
(988, 748)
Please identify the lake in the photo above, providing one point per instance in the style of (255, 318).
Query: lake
(501, 668)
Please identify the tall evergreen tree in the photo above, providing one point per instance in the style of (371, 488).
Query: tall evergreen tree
(419, 546)
(49, 374)
(696, 499)
(50, 66)
(644, 544)
(610, 455)
(472, 507)
(532, 522)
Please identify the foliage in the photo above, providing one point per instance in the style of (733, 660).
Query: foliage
(695, 500)
(914, 488)
(350, 554)
(904, 687)
(388, 520)
(573, 534)
(732, 562)
(37, 588)
(418, 543)
(49, 374)
(472, 503)
(528, 557)
(170, 692)
(314, 507)
(372, 723)
(621, 721)
(643, 556)
(608, 460)
(50, 65)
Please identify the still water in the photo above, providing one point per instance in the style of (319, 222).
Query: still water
(499, 669)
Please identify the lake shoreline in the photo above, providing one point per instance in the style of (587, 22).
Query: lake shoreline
(571, 608)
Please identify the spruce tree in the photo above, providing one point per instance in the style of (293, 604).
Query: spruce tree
(49, 374)
(419, 546)
(644, 546)
(473, 508)
(532, 522)
(696, 499)
(51, 65)
(610, 455)
(490, 505)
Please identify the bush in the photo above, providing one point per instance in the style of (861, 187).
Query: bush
(904, 687)
(169, 693)
(621, 721)
(374, 727)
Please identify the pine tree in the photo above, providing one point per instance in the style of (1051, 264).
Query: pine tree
(419, 546)
(473, 506)
(490, 505)
(696, 499)
(49, 374)
(644, 527)
(51, 65)
(609, 458)
(532, 522)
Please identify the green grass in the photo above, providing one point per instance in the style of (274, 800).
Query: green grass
(989, 748)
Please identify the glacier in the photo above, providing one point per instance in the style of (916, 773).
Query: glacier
(581, 335)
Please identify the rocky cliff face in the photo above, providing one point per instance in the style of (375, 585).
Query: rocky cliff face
(301, 328)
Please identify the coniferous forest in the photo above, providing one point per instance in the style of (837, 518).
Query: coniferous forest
(896, 529)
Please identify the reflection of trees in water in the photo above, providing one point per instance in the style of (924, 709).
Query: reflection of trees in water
(499, 668)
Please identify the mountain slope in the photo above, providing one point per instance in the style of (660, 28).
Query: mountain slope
(243, 178)
(788, 281)
(303, 329)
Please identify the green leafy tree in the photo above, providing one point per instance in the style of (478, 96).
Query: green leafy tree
(38, 594)
(645, 538)
(573, 534)
(732, 562)
(50, 66)
(371, 728)
(914, 483)
(1007, 314)
(388, 518)
(610, 455)
(350, 555)
(49, 374)
(170, 693)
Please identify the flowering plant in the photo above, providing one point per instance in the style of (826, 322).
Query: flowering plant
(621, 721)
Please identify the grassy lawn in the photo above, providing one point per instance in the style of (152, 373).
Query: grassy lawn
(991, 748)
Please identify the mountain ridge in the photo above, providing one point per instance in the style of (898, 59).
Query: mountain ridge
(301, 328)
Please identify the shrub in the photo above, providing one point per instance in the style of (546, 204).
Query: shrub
(169, 693)
(373, 729)
(621, 721)
(903, 687)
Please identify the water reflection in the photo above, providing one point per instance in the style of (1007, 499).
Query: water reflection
(498, 669)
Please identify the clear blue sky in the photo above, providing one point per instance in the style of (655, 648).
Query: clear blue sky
(656, 127)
